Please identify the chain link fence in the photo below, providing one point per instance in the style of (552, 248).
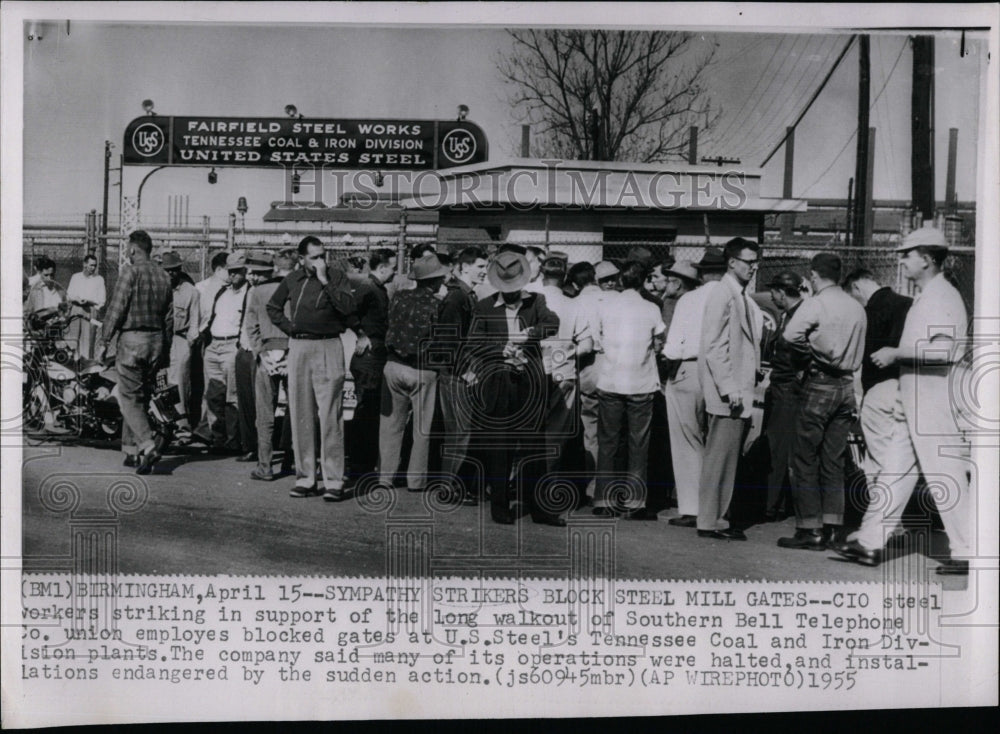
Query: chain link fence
(66, 246)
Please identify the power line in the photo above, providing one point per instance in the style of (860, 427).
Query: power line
(767, 90)
(812, 99)
(722, 135)
(855, 132)
(888, 116)
(763, 129)
(767, 142)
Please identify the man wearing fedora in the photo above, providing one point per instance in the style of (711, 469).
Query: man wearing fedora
(409, 380)
(269, 346)
(503, 367)
(682, 387)
(224, 327)
(785, 393)
(259, 269)
(321, 308)
(185, 328)
(729, 367)
(926, 437)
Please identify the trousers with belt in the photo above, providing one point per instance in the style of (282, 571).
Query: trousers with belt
(315, 398)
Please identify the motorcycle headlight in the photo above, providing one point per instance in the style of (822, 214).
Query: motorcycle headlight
(68, 395)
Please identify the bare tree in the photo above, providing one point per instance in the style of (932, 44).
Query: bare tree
(608, 95)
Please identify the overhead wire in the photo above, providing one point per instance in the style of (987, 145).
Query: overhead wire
(749, 115)
(855, 131)
(722, 134)
(780, 123)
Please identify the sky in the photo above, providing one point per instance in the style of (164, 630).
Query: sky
(83, 88)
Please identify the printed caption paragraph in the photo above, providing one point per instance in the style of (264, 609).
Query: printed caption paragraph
(329, 639)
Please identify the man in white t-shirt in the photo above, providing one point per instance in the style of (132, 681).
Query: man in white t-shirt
(631, 333)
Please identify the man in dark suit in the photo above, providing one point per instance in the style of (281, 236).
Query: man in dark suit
(503, 367)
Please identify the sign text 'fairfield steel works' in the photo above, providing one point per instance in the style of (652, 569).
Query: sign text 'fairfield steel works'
(284, 142)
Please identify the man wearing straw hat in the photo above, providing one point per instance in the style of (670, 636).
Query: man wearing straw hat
(507, 380)
(926, 438)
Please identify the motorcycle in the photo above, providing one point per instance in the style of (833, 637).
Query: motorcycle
(66, 395)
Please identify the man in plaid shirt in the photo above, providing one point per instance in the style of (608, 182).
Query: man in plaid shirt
(141, 314)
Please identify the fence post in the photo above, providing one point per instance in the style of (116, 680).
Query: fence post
(90, 237)
(231, 232)
(401, 243)
(205, 243)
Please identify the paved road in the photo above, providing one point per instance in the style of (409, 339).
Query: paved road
(203, 515)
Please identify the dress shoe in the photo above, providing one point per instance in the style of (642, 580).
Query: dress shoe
(643, 513)
(334, 495)
(302, 492)
(262, 476)
(804, 539)
(951, 567)
(727, 534)
(501, 516)
(469, 499)
(832, 535)
(771, 516)
(130, 461)
(146, 462)
(732, 534)
(553, 520)
(684, 521)
(603, 512)
(248, 456)
(854, 551)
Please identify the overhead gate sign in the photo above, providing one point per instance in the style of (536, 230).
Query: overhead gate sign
(283, 142)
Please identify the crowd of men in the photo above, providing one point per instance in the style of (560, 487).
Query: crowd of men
(523, 378)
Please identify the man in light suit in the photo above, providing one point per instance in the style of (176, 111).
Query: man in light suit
(729, 367)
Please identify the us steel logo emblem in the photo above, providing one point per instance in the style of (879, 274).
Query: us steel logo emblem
(459, 146)
(148, 140)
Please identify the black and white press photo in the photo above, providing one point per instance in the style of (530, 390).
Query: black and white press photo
(400, 358)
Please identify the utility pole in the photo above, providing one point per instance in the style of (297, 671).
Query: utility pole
(719, 160)
(849, 225)
(950, 196)
(861, 182)
(869, 213)
(107, 184)
(788, 218)
(922, 127)
(693, 145)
